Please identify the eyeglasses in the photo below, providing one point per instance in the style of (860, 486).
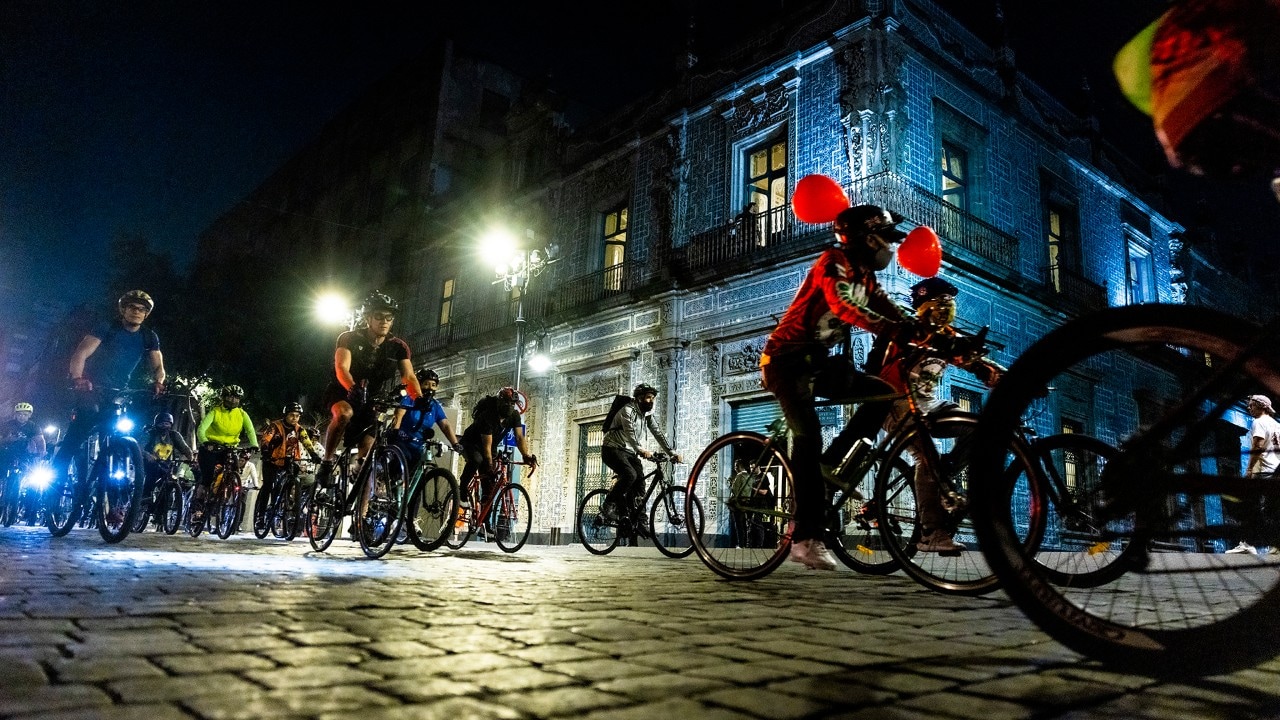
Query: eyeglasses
(134, 306)
(382, 317)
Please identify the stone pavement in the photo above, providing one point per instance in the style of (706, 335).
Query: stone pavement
(169, 627)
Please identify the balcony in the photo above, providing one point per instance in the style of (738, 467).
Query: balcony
(749, 241)
(1069, 291)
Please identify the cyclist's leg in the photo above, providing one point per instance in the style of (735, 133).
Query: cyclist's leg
(629, 471)
(789, 380)
(866, 420)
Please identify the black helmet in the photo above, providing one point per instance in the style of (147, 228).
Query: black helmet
(378, 301)
(233, 391)
(930, 288)
(515, 397)
(644, 389)
(426, 374)
(861, 220)
(163, 418)
(136, 296)
(292, 407)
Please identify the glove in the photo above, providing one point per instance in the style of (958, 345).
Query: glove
(357, 396)
(532, 460)
(457, 447)
(909, 332)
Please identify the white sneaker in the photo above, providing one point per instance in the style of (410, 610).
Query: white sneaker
(812, 554)
(1243, 547)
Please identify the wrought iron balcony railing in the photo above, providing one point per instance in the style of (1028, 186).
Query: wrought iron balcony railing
(1070, 291)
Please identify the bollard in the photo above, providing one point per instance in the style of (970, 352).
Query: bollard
(555, 536)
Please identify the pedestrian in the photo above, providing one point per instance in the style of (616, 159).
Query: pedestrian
(1264, 458)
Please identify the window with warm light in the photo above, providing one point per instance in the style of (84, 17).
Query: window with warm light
(615, 247)
(446, 301)
(766, 186)
(955, 190)
(1072, 466)
(1140, 272)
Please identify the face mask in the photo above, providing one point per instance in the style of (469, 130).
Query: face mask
(882, 258)
(428, 392)
(646, 407)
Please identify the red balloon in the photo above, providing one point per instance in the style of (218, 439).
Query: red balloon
(921, 252)
(818, 199)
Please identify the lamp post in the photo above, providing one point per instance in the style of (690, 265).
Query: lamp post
(515, 266)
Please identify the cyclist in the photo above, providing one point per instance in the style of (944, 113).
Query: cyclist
(491, 419)
(105, 359)
(934, 300)
(20, 442)
(225, 424)
(364, 361)
(159, 447)
(283, 439)
(840, 291)
(624, 445)
(414, 419)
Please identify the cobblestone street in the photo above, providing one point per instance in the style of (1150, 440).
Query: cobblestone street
(169, 627)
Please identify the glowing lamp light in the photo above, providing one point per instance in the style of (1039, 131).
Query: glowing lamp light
(921, 252)
(50, 429)
(39, 478)
(818, 199)
(499, 249)
(540, 363)
(332, 309)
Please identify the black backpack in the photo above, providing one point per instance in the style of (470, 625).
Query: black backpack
(619, 402)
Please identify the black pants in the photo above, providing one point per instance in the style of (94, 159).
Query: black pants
(630, 472)
(790, 378)
(473, 456)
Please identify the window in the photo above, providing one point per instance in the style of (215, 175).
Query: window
(955, 190)
(1140, 272)
(968, 400)
(1071, 465)
(446, 301)
(766, 186)
(615, 247)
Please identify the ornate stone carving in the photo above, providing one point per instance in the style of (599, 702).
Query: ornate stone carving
(747, 359)
(749, 112)
(873, 103)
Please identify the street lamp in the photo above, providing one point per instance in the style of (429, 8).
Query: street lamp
(515, 266)
(333, 309)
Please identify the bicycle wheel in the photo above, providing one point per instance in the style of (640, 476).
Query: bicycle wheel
(1081, 546)
(63, 498)
(597, 536)
(382, 499)
(1161, 381)
(740, 540)
(433, 509)
(465, 526)
(170, 510)
(669, 524)
(263, 515)
(324, 513)
(512, 517)
(227, 515)
(118, 477)
(856, 535)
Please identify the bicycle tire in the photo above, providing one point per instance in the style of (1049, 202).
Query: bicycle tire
(382, 500)
(263, 515)
(670, 527)
(229, 499)
(855, 532)
(118, 476)
(962, 573)
(324, 515)
(709, 483)
(171, 517)
(63, 500)
(8, 503)
(597, 536)
(1080, 551)
(512, 518)
(288, 514)
(1184, 613)
(455, 540)
(432, 509)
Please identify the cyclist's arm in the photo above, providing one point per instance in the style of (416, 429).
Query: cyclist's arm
(662, 439)
(157, 368)
(486, 449)
(202, 430)
(181, 444)
(523, 447)
(853, 300)
(36, 445)
(304, 439)
(409, 379)
(247, 428)
(88, 346)
(628, 415)
(447, 429)
(398, 418)
(342, 367)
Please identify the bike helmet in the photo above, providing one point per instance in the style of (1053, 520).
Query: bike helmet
(136, 296)
(515, 397)
(292, 408)
(644, 389)
(23, 407)
(861, 220)
(163, 418)
(232, 391)
(930, 289)
(378, 301)
(426, 374)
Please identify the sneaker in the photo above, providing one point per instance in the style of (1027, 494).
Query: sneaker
(940, 542)
(1243, 547)
(812, 554)
(609, 514)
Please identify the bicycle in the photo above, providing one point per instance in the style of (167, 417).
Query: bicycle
(433, 501)
(224, 505)
(105, 475)
(11, 488)
(280, 512)
(165, 499)
(1170, 603)
(665, 523)
(506, 517)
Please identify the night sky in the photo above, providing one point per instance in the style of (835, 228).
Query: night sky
(154, 117)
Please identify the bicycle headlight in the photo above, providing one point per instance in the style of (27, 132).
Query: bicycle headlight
(38, 478)
(124, 425)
